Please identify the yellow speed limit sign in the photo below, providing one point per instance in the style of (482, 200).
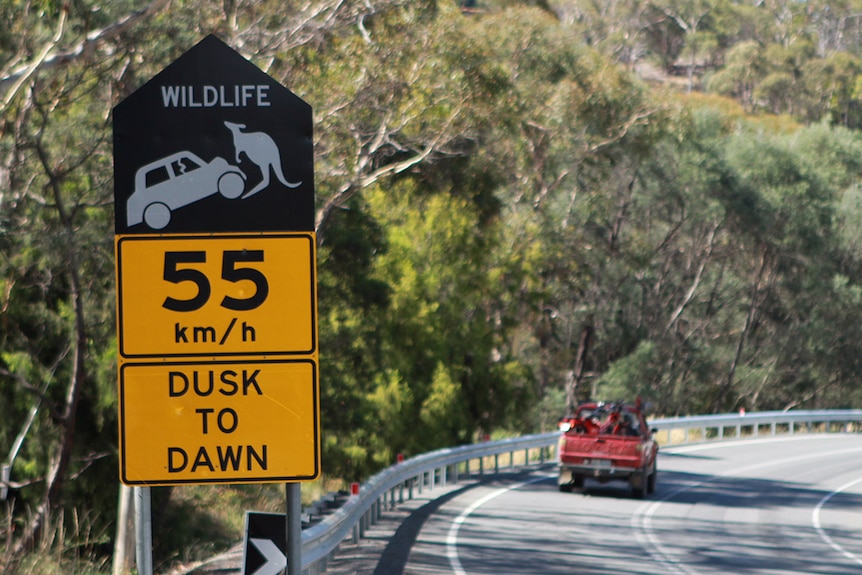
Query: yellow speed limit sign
(216, 295)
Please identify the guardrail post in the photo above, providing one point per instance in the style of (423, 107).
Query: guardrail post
(497, 462)
(410, 488)
(356, 533)
(443, 472)
(481, 467)
(527, 456)
(421, 479)
(455, 473)
(401, 493)
(432, 475)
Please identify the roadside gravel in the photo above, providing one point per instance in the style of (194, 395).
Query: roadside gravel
(384, 550)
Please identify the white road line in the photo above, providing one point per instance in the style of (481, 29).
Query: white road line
(644, 534)
(815, 520)
(452, 537)
(642, 518)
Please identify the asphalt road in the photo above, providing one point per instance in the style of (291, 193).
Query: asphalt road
(783, 506)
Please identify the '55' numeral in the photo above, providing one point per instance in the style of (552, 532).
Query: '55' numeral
(229, 272)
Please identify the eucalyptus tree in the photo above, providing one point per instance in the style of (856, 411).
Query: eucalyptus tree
(405, 95)
(828, 304)
(446, 326)
(742, 74)
(835, 25)
(793, 268)
(693, 19)
(584, 124)
(59, 72)
(617, 29)
(743, 228)
(830, 86)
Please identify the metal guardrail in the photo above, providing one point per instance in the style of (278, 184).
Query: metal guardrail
(711, 427)
(320, 541)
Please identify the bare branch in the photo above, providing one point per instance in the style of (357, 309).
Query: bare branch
(25, 72)
(40, 393)
(689, 296)
(10, 84)
(350, 189)
(641, 119)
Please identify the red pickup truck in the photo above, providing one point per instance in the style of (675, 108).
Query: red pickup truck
(608, 442)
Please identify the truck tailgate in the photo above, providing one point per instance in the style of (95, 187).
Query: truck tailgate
(620, 451)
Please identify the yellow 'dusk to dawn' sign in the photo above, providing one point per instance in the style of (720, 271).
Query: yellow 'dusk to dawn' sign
(216, 276)
(219, 422)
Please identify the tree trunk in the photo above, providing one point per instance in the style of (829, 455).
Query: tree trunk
(573, 386)
(60, 460)
(753, 306)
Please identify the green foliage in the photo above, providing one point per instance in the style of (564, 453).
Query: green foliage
(549, 409)
(395, 418)
(631, 376)
(441, 308)
(442, 415)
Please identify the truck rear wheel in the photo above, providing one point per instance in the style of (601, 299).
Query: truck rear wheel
(566, 482)
(653, 477)
(570, 481)
(640, 484)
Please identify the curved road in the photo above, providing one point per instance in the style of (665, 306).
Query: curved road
(778, 506)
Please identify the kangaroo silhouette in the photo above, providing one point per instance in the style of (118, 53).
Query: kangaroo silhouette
(260, 148)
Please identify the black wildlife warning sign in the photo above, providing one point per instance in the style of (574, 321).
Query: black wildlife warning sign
(213, 144)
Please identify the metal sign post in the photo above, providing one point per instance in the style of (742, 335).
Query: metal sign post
(294, 529)
(143, 531)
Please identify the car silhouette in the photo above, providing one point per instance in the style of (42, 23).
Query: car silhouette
(176, 181)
